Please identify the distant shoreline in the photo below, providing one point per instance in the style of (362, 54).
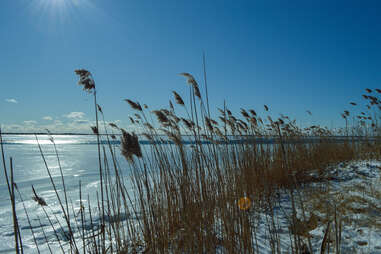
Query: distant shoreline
(44, 133)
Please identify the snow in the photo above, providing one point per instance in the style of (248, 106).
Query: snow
(353, 189)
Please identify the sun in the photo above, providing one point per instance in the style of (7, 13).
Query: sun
(57, 10)
(51, 5)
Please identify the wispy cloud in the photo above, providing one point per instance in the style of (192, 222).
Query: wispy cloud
(11, 100)
(47, 118)
(61, 126)
(75, 115)
(81, 122)
(30, 122)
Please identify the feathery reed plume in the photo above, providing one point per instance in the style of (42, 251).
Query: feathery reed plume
(99, 108)
(174, 118)
(242, 125)
(134, 105)
(129, 146)
(197, 91)
(113, 125)
(165, 111)
(221, 111)
(252, 112)
(208, 124)
(191, 80)
(352, 103)
(365, 96)
(131, 119)
(171, 105)
(137, 116)
(189, 124)
(85, 79)
(266, 108)
(161, 117)
(219, 133)
(222, 119)
(368, 90)
(244, 113)
(145, 106)
(149, 126)
(213, 122)
(38, 199)
(378, 90)
(178, 98)
(346, 112)
(309, 112)
(94, 129)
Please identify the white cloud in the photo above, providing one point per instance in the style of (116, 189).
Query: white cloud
(30, 122)
(60, 126)
(47, 118)
(11, 100)
(81, 121)
(75, 115)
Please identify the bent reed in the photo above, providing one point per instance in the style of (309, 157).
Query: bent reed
(187, 184)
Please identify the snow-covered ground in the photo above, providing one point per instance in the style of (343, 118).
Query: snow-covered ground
(348, 199)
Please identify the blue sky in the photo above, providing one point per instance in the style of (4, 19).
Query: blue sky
(291, 55)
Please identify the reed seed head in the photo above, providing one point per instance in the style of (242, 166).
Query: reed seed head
(94, 129)
(161, 117)
(38, 199)
(208, 124)
(192, 81)
(252, 111)
(171, 106)
(129, 145)
(86, 80)
(189, 124)
(134, 105)
(113, 125)
(244, 113)
(99, 108)
(178, 98)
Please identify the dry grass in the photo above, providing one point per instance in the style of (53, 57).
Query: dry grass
(187, 195)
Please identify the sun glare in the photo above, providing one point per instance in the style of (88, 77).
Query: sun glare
(57, 9)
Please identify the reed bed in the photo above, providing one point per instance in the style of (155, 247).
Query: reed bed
(203, 182)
